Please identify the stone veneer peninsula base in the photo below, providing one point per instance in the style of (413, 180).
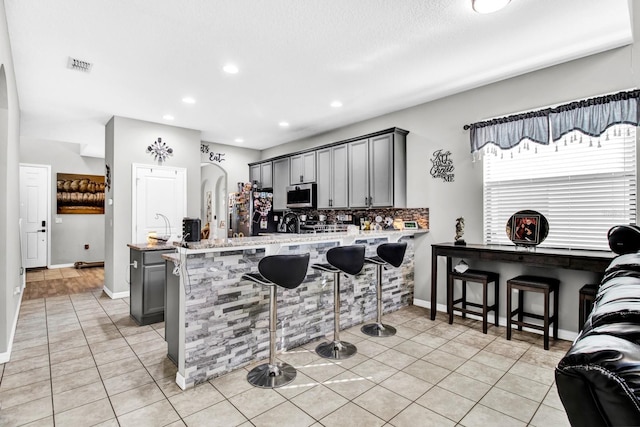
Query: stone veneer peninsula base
(216, 322)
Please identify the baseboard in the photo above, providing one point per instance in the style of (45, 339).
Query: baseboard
(180, 380)
(6, 356)
(563, 334)
(115, 295)
(61, 266)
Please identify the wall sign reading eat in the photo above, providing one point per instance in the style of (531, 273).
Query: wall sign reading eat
(213, 157)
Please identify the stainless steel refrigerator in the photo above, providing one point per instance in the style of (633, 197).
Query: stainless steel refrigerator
(251, 213)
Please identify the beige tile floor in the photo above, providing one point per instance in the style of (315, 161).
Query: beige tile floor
(79, 360)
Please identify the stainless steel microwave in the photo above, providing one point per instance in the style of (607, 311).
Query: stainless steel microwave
(302, 196)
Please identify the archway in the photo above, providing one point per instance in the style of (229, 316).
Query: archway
(214, 203)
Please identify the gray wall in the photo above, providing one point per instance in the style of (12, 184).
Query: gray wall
(236, 162)
(126, 141)
(438, 124)
(69, 237)
(10, 261)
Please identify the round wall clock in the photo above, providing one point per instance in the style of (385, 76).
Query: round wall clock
(160, 151)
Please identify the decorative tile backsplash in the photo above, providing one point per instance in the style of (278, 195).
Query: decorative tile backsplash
(421, 215)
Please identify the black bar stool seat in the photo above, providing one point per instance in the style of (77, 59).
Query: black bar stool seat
(543, 285)
(388, 254)
(587, 296)
(475, 276)
(287, 271)
(348, 260)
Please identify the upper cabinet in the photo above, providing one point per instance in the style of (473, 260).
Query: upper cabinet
(377, 172)
(280, 183)
(303, 168)
(363, 172)
(261, 173)
(332, 176)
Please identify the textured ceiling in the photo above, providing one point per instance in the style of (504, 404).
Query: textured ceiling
(294, 56)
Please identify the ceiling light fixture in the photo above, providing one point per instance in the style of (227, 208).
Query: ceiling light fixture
(168, 117)
(488, 6)
(188, 100)
(283, 124)
(230, 69)
(336, 104)
(239, 140)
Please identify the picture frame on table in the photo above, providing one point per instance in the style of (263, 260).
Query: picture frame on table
(525, 229)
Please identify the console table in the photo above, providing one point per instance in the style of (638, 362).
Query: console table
(571, 259)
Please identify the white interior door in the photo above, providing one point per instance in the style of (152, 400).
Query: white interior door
(34, 213)
(158, 191)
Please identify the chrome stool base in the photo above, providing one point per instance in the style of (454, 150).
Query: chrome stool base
(271, 376)
(336, 350)
(378, 330)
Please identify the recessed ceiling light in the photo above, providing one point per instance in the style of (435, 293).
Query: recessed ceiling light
(239, 140)
(168, 117)
(488, 6)
(283, 124)
(336, 104)
(230, 69)
(188, 100)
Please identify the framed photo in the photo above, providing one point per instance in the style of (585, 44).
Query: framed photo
(411, 225)
(80, 194)
(525, 228)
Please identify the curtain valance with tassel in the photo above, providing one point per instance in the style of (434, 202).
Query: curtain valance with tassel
(591, 116)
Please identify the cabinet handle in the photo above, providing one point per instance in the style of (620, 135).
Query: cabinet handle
(330, 202)
(301, 178)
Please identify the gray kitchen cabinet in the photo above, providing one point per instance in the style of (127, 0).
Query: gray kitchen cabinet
(332, 177)
(280, 183)
(303, 168)
(377, 174)
(261, 173)
(146, 291)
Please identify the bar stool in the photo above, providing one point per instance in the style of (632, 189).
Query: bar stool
(287, 271)
(477, 276)
(543, 285)
(348, 260)
(388, 254)
(587, 297)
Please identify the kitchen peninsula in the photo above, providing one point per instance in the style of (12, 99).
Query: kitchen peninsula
(217, 322)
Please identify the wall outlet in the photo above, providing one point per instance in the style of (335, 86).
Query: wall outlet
(86, 246)
(16, 290)
(58, 220)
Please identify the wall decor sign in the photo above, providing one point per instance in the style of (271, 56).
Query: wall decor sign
(442, 165)
(80, 194)
(213, 157)
(107, 177)
(160, 151)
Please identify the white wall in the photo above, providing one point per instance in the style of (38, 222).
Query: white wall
(439, 124)
(10, 262)
(126, 141)
(68, 237)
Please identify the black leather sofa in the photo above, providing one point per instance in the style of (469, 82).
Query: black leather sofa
(598, 380)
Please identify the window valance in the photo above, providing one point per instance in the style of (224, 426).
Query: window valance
(590, 116)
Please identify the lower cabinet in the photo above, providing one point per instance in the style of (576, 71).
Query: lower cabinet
(147, 288)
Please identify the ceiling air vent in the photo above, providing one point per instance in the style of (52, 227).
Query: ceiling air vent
(80, 65)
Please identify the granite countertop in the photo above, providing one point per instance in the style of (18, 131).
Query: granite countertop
(152, 246)
(280, 238)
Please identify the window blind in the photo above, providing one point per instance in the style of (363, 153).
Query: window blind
(583, 186)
